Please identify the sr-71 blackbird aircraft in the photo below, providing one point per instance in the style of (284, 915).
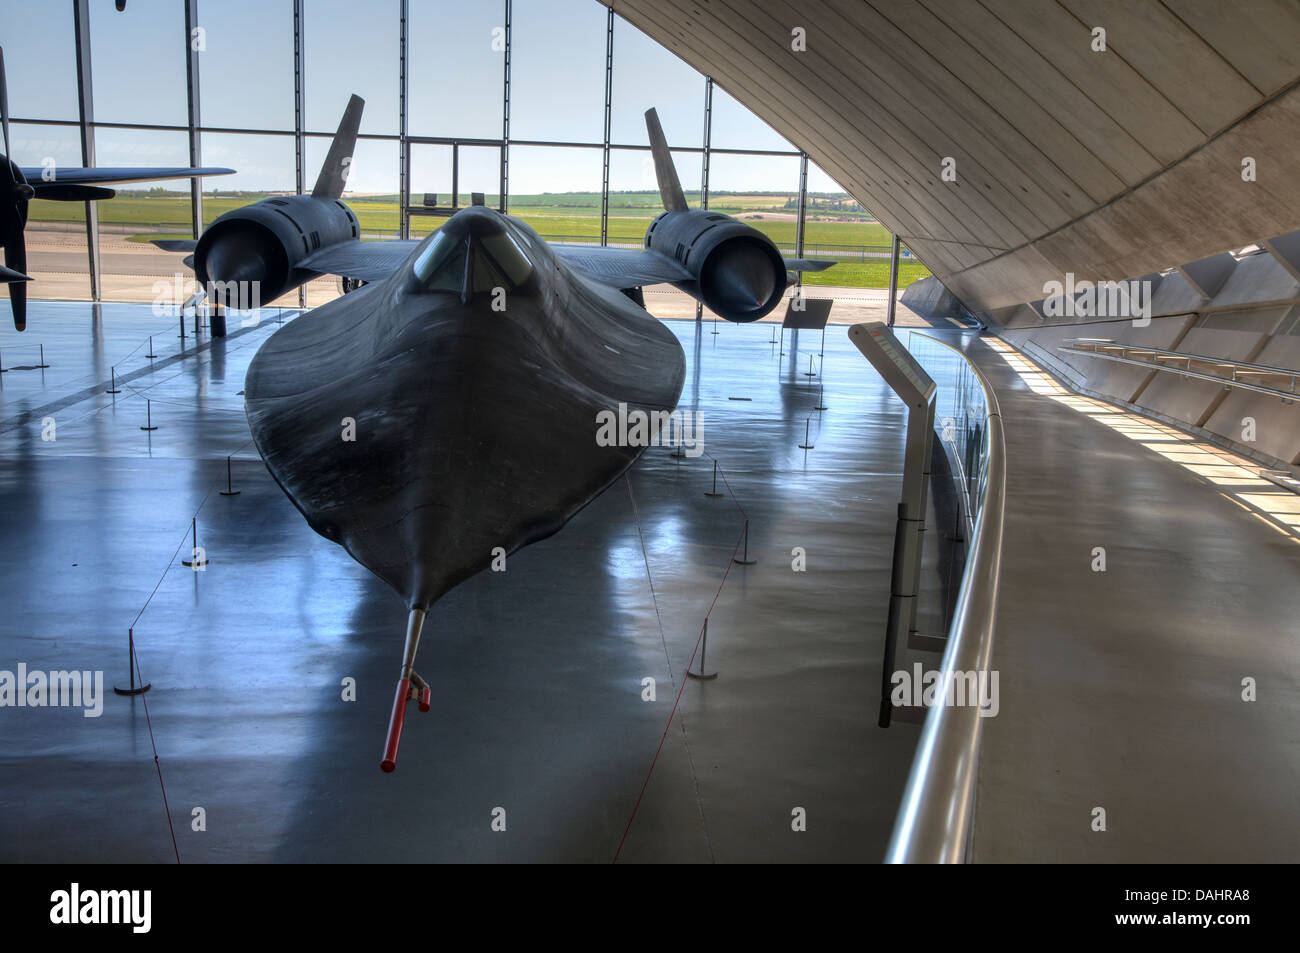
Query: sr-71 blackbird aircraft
(286, 241)
(468, 371)
(18, 186)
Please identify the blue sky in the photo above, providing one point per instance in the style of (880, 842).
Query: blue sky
(246, 81)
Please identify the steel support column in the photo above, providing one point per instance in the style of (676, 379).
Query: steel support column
(708, 140)
(893, 280)
(609, 100)
(403, 143)
(192, 113)
(299, 102)
(704, 163)
(799, 220)
(86, 118)
(503, 204)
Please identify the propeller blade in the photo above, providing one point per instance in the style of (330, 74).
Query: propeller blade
(4, 100)
(8, 275)
(18, 301)
(12, 219)
(16, 260)
(12, 184)
(57, 192)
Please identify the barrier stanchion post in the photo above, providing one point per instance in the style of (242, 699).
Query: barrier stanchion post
(807, 442)
(704, 675)
(715, 481)
(112, 381)
(198, 559)
(130, 666)
(148, 412)
(229, 490)
(745, 560)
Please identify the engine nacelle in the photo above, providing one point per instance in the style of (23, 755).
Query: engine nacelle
(738, 273)
(266, 242)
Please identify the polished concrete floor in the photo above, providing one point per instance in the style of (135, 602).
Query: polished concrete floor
(537, 672)
(1123, 689)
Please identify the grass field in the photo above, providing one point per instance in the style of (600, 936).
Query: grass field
(561, 217)
(871, 274)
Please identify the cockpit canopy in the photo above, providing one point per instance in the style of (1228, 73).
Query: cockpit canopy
(474, 253)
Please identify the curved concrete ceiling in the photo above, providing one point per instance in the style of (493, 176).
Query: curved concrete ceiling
(1107, 164)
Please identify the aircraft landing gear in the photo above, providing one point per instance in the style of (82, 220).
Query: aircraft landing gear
(410, 687)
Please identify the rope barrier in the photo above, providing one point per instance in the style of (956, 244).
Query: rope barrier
(140, 675)
(731, 561)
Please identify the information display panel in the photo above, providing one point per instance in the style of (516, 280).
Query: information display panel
(894, 362)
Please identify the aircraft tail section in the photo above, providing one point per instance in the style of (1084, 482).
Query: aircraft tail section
(334, 173)
(670, 188)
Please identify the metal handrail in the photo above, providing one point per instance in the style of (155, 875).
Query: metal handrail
(936, 817)
(962, 479)
(1094, 347)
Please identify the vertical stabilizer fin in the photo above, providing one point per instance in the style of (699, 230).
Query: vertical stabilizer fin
(670, 188)
(334, 173)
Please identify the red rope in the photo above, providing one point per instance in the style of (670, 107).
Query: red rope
(731, 561)
(645, 556)
(135, 660)
(722, 473)
(156, 763)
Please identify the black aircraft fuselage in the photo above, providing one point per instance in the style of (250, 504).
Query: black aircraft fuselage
(474, 376)
(454, 408)
(447, 415)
